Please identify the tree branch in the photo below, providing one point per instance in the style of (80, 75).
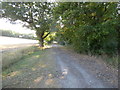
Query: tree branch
(46, 35)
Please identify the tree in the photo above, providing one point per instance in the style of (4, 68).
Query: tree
(89, 27)
(37, 14)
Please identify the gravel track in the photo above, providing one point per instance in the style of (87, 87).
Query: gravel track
(63, 68)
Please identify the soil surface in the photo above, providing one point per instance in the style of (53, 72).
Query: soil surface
(58, 67)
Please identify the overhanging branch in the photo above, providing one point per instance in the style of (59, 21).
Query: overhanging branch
(46, 35)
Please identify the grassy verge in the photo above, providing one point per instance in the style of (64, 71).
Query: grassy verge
(112, 61)
(35, 70)
(25, 61)
(15, 55)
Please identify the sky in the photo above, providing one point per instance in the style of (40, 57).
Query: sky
(17, 26)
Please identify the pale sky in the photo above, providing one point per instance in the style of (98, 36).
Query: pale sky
(17, 27)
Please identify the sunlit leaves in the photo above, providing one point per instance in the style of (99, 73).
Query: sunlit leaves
(89, 27)
(37, 14)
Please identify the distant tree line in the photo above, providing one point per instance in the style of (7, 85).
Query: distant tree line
(9, 33)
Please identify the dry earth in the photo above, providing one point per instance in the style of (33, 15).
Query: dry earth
(58, 67)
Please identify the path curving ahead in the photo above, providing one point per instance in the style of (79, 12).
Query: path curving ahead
(58, 67)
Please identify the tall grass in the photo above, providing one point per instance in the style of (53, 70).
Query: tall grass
(15, 55)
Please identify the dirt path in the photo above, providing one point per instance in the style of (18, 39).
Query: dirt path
(83, 71)
(58, 67)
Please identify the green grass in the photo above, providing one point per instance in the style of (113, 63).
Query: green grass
(112, 61)
(15, 55)
(34, 70)
(25, 61)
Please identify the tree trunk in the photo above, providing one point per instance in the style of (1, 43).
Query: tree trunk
(41, 42)
(41, 38)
